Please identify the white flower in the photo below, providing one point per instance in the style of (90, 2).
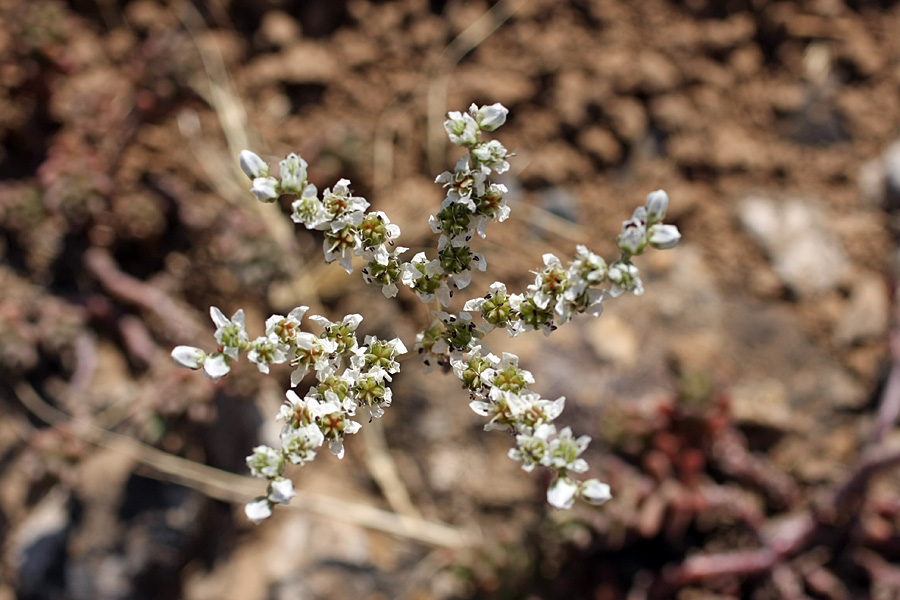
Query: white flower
(424, 278)
(217, 366)
(491, 206)
(252, 165)
(266, 462)
(312, 353)
(663, 237)
(267, 350)
(293, 174)
(300, 443)
(286, 328)
(461, 128)
(308, 210)
(429, 269)
(624, 277)
(633, 237)
(523, 411)
(587, 266)
(565, 451)
(339, 202)
(281, 490)
(265, 188)
(259, 510)
(532, 448)
(561, 493)
(463, 185)
(378, 358)
(336, 446)
(549, 283)
(594, 491)
(506, 376)
(474, 304)
(231, 334)
(342, 243)
(188, 357)
(490, 117)
(577, 300)
(377, 231)
(527, 409)
(492, 156)
(657, 203)
(349, 323)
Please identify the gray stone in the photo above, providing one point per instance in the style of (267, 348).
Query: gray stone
(866, 314)
(879, 179)
(795, 236)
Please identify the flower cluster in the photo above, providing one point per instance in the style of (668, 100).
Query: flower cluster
(500, 389)
(348, 230)
(351, 377)
(470, 204)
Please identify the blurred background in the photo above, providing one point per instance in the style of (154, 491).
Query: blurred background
(743, 410)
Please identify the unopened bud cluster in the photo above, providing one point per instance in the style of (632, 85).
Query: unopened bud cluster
(351, 377)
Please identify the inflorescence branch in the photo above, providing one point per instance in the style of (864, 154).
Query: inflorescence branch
(353, 378)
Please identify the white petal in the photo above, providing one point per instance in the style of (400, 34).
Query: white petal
(352, 321)
(663, 237)
(336, 447)
(265, 188)
(657, 203)
(218, 317)
(298, 312)
(188, 357)
(561, 493)
(281, 490)
(252, 165)
(216, 366)
(297, 375)
(491, 117)
(259, 510)
(595, 492)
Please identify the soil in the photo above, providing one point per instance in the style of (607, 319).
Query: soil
(743, 409)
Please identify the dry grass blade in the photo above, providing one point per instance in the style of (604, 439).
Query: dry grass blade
(238, 489)
(469, 39)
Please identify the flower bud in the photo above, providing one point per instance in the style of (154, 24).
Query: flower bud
(633, 237)
(281, 490)
(265, 188)
(490, 117)
(657, 203)
(293, 174)
(216, 366)
(461, 128)
(663, 237)
(561, 493)
(259, 510)
(188, 357)
(595, 492)
(252, 165)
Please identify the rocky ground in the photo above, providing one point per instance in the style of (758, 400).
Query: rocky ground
(744, 409)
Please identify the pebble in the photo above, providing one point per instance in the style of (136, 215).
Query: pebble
(867, 313)
(613, 340)
(808, 258)
(879, 179)
(765, 402)
(38, 545)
